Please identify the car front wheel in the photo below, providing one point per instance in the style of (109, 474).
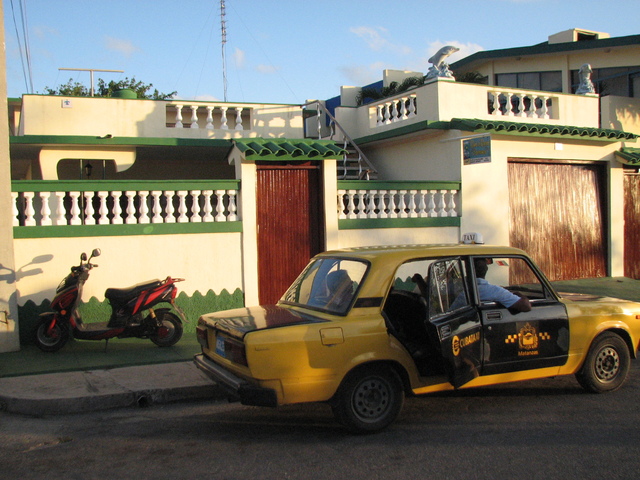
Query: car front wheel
(607, 364)
(369, 399)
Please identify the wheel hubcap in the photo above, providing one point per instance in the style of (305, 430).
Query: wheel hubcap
(371, 399)
(607, 364)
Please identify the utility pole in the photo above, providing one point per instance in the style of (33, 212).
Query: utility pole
(91, 70)
(223, 26)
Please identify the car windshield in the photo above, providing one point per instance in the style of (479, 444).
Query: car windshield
(328, 284)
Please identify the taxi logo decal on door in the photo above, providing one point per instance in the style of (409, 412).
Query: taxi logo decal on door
(528, 340)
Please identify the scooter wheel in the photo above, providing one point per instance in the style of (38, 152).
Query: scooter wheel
(51, 339)
(169, 331)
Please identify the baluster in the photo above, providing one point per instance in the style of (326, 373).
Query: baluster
(402, 201)
(220, 217)
(351, 209)
(75, 209)
(59, 217)
(496, 103)
(179, 116)
(387, 113)
(103, 210)
(412, 203)
(223, 118)
(131, 208)
(210, 118)
(508, 112)
(422, 205)
(14, 209)
(441, 205)
(29, 212)
(169, 210)
(156, 208)
(232, 217)
(371, 206)
(194, 117)
(393, 213)
(45, 211)
(413, 105)
(432, 203)
(520, 110)
(379, 117)
(144, 208)
(341, 195)
(394, 111)
(383, 207)
(531, 112)
(206, 207)
(545, 108)
(195, 206)
(239, 118)
(451, 206)
(117, 209)
(403, 108)
(182, 207)
(361, 200)
(88, 209)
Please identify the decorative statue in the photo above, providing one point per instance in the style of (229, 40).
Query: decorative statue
(439, 67)
(586, 85)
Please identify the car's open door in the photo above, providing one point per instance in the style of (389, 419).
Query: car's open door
(456, 321)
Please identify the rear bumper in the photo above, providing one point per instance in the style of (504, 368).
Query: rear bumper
(236, 387)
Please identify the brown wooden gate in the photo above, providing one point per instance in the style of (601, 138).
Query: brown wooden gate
(632, 225)
(557, 216)
(290, 224)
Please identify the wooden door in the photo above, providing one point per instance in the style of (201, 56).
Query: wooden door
(632, 225)
(557, 216)
(290, 224)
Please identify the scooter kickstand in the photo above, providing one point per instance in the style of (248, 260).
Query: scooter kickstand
(106, 344)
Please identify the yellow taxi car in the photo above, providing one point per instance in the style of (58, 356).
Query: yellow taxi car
(360, 328)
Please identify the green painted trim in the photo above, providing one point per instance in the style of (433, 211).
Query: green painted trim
(497, 127)
(370, 223)
(283, 149)
(400, 185)
(59, 140)
(546, 48)
(66, 231)
(121, 185)
(628, 156)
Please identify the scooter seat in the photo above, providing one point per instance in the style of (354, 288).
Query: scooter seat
(121, 295)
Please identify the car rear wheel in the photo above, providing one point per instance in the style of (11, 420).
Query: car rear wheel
(369, 399)
(607, 364)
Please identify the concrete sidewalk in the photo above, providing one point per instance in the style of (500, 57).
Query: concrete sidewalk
(83, 391)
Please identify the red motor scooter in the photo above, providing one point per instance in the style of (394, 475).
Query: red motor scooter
(128, 307)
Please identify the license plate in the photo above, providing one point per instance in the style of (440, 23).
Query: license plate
(220, 346)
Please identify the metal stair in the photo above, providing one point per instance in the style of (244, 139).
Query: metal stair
(354, 165)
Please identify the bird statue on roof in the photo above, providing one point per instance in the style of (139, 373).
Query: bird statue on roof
(439, 67)
(586, 85)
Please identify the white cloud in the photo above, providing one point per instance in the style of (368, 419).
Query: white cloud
(376, 39)
(239, 58)
(360, 75)
(267, 69)
(124, 47)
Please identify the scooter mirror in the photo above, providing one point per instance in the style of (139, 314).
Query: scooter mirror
(83, 257)
(96, 252)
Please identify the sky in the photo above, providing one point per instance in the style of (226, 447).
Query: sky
(276, 51)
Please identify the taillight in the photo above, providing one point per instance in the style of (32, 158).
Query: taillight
(231, 349)
(201, 334)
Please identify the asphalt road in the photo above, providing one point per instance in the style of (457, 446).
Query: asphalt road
(547, 429)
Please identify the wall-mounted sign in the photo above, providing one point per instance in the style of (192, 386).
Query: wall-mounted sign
(476, 150)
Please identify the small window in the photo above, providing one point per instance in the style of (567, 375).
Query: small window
(446, 284)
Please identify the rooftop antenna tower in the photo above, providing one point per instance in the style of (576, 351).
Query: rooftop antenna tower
(223, 27)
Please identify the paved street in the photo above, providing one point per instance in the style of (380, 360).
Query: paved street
(536, 430)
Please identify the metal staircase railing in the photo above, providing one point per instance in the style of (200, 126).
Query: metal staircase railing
(354, 165)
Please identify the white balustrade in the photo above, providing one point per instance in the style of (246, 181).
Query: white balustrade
(105, 207)
(396, 110)
(214, 114)
(505, 103)
(396, 203)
